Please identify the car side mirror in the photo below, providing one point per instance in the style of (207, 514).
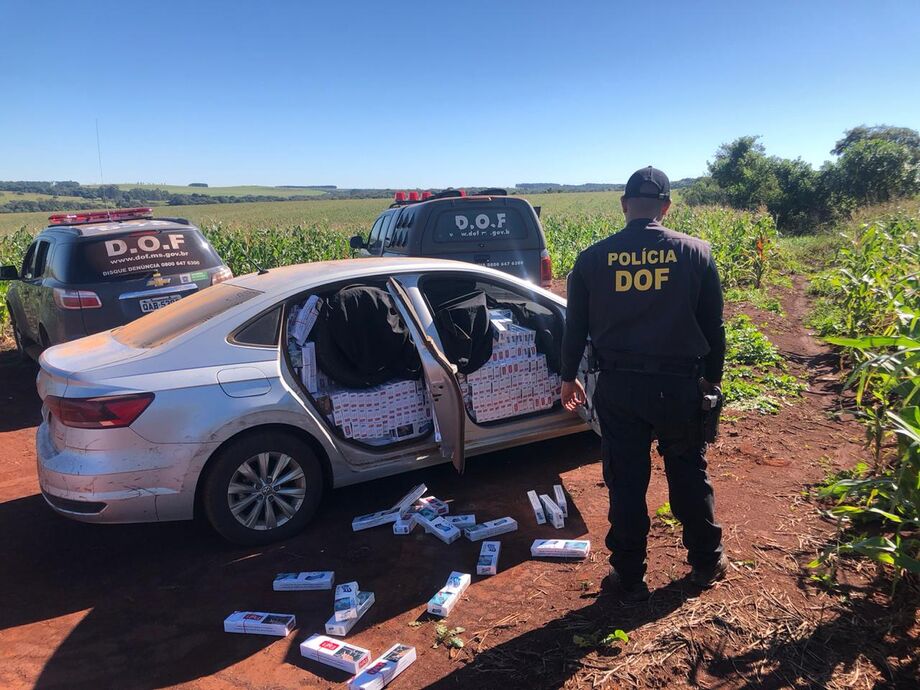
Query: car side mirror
(357, 242)
(9, 273)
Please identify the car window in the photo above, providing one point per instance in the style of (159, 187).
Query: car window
(161, 326)
(261, 331)
(373, 242)
(138, 254)
(389, 228)
(28, 262)
(41, 258)
(479, 224)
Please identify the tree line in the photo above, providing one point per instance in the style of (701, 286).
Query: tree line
(871, 165)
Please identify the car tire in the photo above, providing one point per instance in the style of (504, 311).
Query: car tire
(253, 492)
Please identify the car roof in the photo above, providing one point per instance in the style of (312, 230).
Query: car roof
(113, 227)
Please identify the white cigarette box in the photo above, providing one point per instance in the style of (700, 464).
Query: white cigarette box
(374, 519)
(306, 318)
(442, 603)
(286, 582)
(342, 628)
(260, 623)
(405, 503)
(461, 520)
(553, 512)
(346, 601)
(335, 653)
(488, 558)
(560, 499)
(560, 548)
(435, 504)
(384, 669)
(492, 528)
(404, 525)
(537, 508)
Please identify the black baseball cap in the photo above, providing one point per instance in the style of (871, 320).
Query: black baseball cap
(648, 175)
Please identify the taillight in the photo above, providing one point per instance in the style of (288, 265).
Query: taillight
(76, 299)
(109, 412)
(546, 269)
(220, 275)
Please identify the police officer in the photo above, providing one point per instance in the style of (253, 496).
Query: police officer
(650, 299)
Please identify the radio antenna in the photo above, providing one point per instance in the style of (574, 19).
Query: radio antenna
(99, 154)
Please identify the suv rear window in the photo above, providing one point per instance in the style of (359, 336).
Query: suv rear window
(161, 326)
(479, 224)
(137, 254)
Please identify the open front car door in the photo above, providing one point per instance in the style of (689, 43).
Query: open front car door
(587, 374)
(440, 375)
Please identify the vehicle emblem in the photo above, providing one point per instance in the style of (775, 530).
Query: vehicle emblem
(156, 280)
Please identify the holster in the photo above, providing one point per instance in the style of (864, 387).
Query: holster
(712, 410)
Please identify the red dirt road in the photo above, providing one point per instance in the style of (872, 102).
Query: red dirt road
(141, 606)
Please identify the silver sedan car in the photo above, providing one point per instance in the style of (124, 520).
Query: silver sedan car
(198, 408)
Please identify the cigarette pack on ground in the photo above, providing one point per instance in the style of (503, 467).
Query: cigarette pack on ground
(393, 662)
(404, 525)
(335, 653)
(442, 603)
(342, 628)
(432, 503)
(560, 499)
(560, 548)
(537, 508)
(492, 528)
(439, 527)
(374, 519)
(346, 601)
(461, 520)
(305, 319)
(406, 502)
(553, 512)
(260, 623)
(286, 582)
(488, 558)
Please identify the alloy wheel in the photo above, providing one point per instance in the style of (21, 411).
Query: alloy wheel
(266, 491)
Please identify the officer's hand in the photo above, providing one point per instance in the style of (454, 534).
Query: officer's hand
(707, 387)
(573, 395)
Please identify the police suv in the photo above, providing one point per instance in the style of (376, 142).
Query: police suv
(488, 228)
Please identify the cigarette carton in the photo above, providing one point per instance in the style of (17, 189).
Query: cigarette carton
(438, 526)
(404, 525)
(560, 499)
(553, 512)
(442, 603)
(461, 520)
(342, 628)
(286, 582)
(432, 503)
(346, 601)
(560, 548)
(405, 503)
(490, 529)
(335, 653)
(260, 623)
(537, 508)
(374, 519)
(384, 669)
(305, 320)
(488, 558)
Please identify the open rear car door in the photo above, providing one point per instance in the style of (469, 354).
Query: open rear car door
(440, 375)
(587, 374)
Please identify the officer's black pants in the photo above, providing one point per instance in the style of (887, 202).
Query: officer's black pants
(631, 408)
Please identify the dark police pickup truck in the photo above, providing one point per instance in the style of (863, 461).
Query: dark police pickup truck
(488, 228)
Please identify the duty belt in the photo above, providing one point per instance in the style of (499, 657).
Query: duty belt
(651, 366)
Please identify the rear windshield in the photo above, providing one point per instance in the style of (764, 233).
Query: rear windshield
(479, 224)
(139, 254)
(161, 326)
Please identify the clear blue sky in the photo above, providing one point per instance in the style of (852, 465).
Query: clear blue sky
(393, 94)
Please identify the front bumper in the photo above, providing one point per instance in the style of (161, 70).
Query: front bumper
(133, 482)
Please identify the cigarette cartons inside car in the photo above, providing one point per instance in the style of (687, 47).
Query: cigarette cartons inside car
(442, 603)
(553, 512)
(492, 528)
(303, 319)
(335, 653)
(391, 412)
(560, 499)
(515, 380)
(285, 582)
(346, 601)
(384, 669)
(260, 623)
(560, 548)
(537, 507)
(488, 558)
(342, 628)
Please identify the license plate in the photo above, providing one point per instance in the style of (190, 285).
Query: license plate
(153, 303)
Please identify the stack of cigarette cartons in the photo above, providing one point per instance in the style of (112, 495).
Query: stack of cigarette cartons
(342, 628)
(335, 653)
(560, 548)
(304, 319)
(442, 603)
(400, 510)
(287, 582)
(309, 372)
(346, 601)
(488, 558)
(492, 528)
(260, 623)
(393, 411)
(545, 507)
(393, 662)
